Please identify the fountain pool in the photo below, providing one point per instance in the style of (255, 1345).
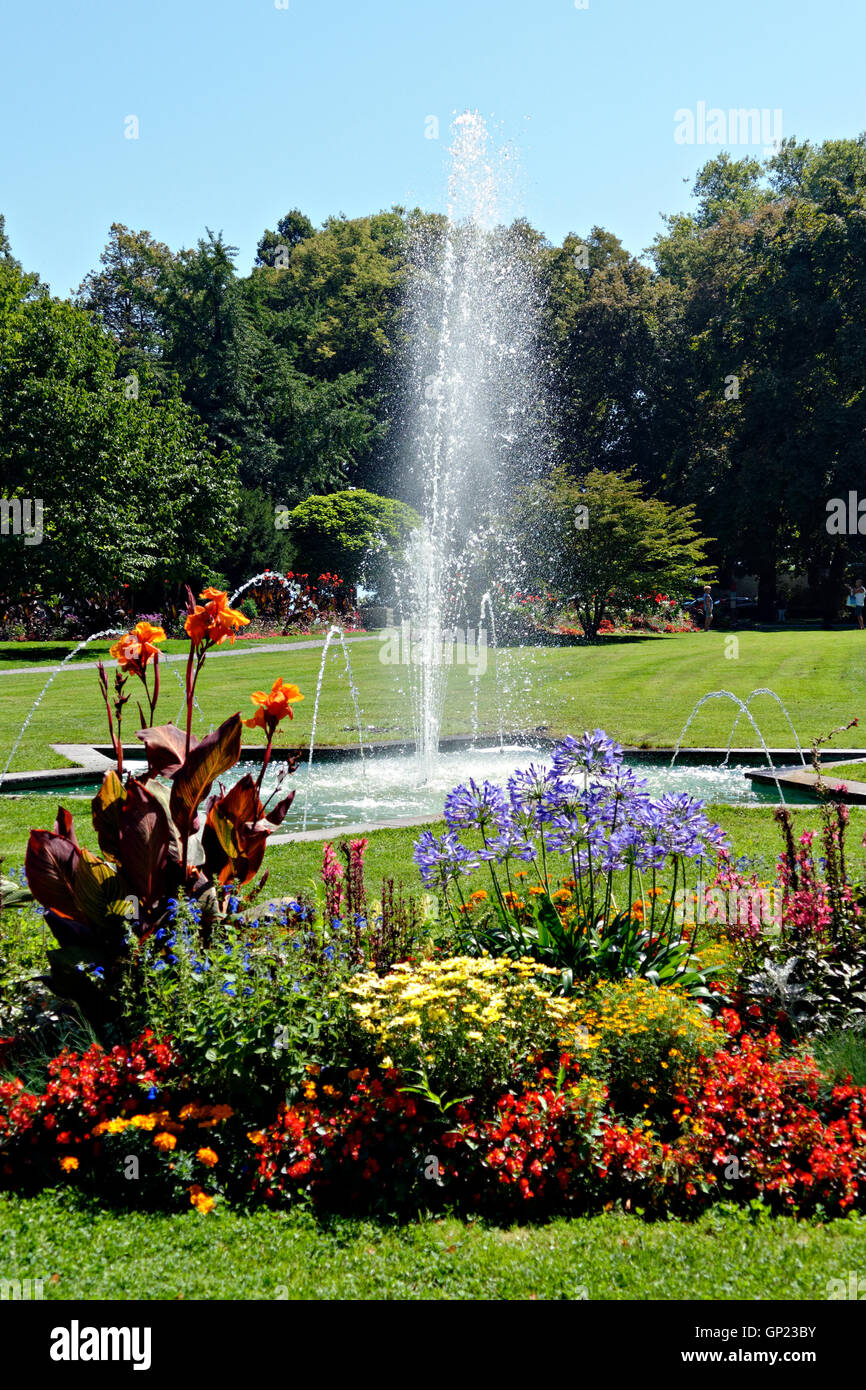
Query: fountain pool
(337, 792)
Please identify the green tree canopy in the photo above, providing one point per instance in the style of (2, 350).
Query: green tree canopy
(601, 537)
(354, 533)
(132, 494)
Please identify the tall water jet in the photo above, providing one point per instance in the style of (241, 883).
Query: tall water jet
(475, 396)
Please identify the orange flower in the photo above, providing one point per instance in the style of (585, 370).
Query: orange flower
(135, 649)
(147, 634)
(165, 1142)
(202, 1203)
(215, 621)
(197, 624)
(273, 705)
(256, 1137)
(207, 1157)
(69, 1164)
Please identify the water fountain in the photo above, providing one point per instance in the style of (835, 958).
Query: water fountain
(743, 708)
(476, 428)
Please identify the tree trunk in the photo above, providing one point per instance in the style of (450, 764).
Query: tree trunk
(767, 611)
(832, 589)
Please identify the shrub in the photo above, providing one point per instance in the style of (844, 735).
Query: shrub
(45, 1135)
(251, 1010)
(757, 1125)
(356, 533)
(458, 1026)
(154, 841)
(643, 1042)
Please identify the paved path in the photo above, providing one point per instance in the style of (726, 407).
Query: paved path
(245, 650)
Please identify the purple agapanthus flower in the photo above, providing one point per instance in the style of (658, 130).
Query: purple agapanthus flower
(479, 806)
(593, 754)
(442, 859)
(508, 844)
(683, 828)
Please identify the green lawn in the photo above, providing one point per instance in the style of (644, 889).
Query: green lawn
(82, 1252)
(641, 690)
(50, 653)
(852, 771)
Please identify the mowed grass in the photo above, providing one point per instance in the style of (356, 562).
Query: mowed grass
(20, 654)
(640, 690)
(82, 1252)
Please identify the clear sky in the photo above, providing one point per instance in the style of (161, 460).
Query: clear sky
(246, 110)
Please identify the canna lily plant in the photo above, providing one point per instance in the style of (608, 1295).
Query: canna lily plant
(160, 834)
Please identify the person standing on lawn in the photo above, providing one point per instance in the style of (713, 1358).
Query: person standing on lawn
(707, 607)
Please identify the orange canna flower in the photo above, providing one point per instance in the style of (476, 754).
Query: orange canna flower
(197, 624)
(147, 634)
(273, 705)
(216, 620)
(136, 648)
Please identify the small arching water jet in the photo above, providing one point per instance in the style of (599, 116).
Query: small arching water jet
(744, 709)
(94, 637)
(764, 690)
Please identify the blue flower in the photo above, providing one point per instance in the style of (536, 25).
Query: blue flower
(592, 754)
(476, 806)
(442, 860)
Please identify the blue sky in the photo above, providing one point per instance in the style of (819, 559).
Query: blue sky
(247, 110)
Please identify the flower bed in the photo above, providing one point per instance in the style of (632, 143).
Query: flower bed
(566, 1022)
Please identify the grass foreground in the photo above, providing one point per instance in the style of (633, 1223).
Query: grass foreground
(83, 1252)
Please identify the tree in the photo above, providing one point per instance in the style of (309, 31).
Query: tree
(132, 493)
(124, 296)
(604, 538)
(355, 534)
(291, 231)
(259, 543)
(771, 384)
